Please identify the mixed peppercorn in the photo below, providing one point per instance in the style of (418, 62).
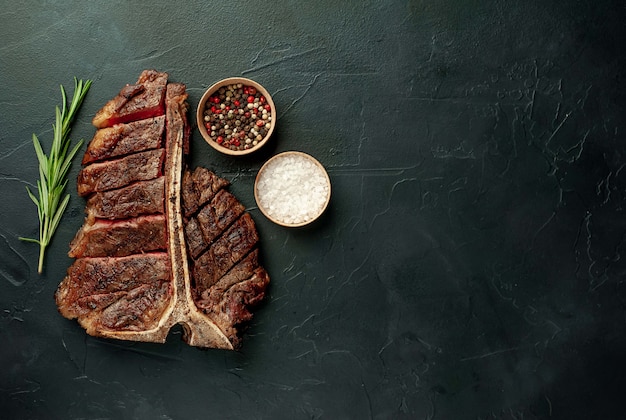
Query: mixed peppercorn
(237, 116)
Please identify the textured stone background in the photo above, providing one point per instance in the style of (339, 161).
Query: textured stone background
(470, 263)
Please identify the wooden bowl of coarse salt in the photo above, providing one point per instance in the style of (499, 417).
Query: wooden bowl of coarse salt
(292, 189)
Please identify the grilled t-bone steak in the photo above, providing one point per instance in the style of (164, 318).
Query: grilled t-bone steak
(161, 244)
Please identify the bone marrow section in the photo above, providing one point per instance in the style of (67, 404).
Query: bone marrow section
(160, 244)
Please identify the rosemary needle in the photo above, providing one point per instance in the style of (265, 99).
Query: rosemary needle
(53, 169)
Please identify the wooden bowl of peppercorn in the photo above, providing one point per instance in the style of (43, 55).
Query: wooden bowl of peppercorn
(236, 116)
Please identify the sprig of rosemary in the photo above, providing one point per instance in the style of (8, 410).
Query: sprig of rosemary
(53, 170)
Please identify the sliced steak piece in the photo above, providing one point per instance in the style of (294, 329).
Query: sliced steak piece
(94, 283)
(144, 197)
(123, 139)
(103, 176)
(194, 238)
(218, 214)
(229, 301)
(234, 307)
(199, 187)
(145, 99)
(243, 270)
(227, 280)
(138, 310)
(225, 252)
(211, 221)
(118, 238)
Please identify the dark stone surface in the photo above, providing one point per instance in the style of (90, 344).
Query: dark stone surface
(469, 265)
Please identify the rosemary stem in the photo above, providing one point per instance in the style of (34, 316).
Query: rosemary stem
(53, 169)
(42, 253)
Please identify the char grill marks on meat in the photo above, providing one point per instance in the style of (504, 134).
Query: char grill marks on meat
(122, 139)
(108, 175)
(130, 201)
(94, 284)
(199, 187)
(118, 238)
(222, 242)
(160, 245)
